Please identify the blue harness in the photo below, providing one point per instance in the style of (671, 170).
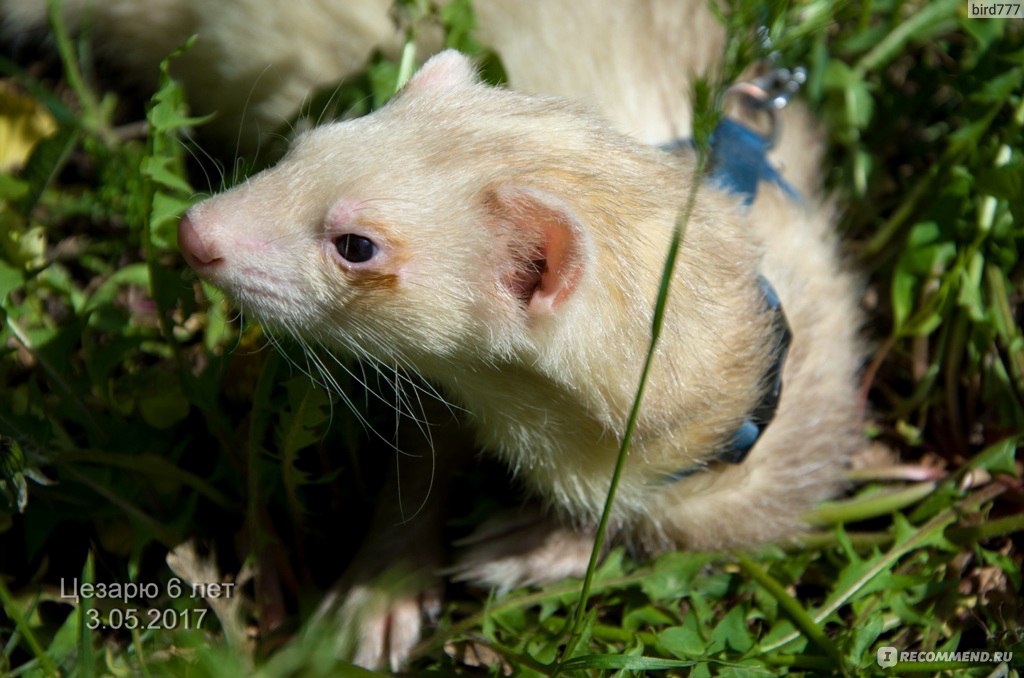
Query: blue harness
(739, 162)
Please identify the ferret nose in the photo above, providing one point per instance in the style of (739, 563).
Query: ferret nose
(197, 252)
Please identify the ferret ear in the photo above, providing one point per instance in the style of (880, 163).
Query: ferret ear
(545, 252)
(447, 69)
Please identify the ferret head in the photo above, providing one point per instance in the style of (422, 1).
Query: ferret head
(451, 222)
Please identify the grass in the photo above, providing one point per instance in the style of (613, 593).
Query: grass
(136, 414)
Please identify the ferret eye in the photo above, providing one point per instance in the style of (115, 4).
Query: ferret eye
(355, 248)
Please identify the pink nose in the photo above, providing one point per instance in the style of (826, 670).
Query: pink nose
(197, 252)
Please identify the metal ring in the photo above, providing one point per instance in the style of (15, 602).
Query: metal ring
(759, 99)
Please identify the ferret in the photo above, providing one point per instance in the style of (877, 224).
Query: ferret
(508, 247)
(256, 61)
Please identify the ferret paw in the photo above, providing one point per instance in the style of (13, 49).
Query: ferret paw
(515, 550)
(380, 620)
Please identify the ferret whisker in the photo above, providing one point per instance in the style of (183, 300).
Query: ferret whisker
(363, 359)
(367, 100)
(425, 429)
(323, 368)
(327, 380)
(399, 387)
(427, 388)
(380, 368)
(404, 403)
(273, 341)
(327, 106)
(239, 319)
(268, 342)
(231, 177)
(258, 150)
(292, 133)
(336, 388)
(364, 382)
(202, 158)
(330, 384)
(245, 108)
(292, 130)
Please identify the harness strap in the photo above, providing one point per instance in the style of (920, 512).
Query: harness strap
(738, 164)
(735, 451)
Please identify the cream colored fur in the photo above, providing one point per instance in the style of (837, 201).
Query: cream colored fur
(256, 61)
(635, 64)
(550, 393)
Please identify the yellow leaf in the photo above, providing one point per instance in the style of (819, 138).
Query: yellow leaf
(23, 124)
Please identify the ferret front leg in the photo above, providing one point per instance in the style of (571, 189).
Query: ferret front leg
(521, 548)
(392, 589)
(389, 594)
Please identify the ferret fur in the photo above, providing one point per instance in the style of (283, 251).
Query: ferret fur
(256, 61)
(460, 184)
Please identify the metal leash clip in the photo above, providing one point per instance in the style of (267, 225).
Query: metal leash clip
(769, 94)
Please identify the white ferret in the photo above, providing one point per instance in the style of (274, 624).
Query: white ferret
(509, 246)
(256, 61)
